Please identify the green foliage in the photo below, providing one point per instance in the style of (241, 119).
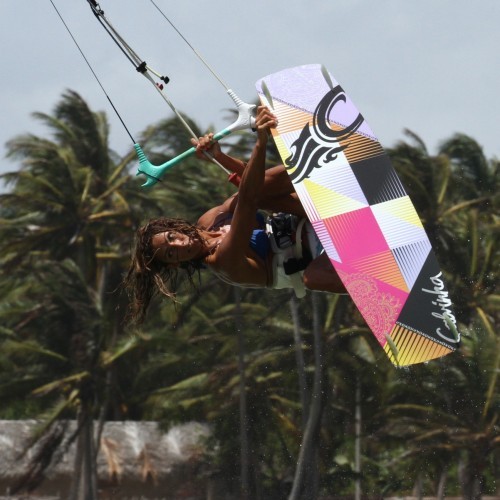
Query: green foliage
(65, 238)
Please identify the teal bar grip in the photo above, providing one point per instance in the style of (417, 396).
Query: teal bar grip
(154, 173)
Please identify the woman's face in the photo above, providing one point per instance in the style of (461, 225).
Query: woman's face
(173, 247)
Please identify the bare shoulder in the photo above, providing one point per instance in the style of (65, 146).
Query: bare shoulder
(212, 216)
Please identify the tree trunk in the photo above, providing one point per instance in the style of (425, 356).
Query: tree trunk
(357, 440)
(84, 486)
(307, 461)
(77, 468)
(299, 358)
(244, 450)
(441, 490)
(417, 490)
(470, 477)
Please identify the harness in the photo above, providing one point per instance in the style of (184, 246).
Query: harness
(290, 258)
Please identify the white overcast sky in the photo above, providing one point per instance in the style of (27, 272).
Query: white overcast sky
(428, 65)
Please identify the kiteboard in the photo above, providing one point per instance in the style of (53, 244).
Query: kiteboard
(361, 213)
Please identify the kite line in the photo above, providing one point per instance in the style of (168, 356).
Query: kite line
(93, 72)
(152, 172)
(245, 111)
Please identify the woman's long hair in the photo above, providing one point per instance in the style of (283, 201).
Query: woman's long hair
(147, 276)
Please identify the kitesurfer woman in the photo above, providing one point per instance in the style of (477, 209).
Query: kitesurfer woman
(231, 240)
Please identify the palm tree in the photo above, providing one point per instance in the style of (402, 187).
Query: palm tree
(308, 457)
(64, 243)
(475, 177)
(475, 195)
(452, 417)
(69, 217)
(456, 191)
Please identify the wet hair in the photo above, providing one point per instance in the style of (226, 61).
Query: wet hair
(147, 276)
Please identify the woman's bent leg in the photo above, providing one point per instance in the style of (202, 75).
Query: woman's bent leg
(321, 276)
(278, 193)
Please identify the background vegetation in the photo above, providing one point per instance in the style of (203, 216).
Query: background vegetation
(300, 396)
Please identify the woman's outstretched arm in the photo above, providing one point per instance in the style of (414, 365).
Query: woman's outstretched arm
(233, 256)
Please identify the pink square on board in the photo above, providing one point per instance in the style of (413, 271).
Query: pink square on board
(356, 234)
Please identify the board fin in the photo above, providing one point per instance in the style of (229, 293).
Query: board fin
(393, 348)
(327, 76)
(267, 94)
(452, 327)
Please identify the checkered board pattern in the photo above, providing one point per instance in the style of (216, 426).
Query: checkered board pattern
(363, 217)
